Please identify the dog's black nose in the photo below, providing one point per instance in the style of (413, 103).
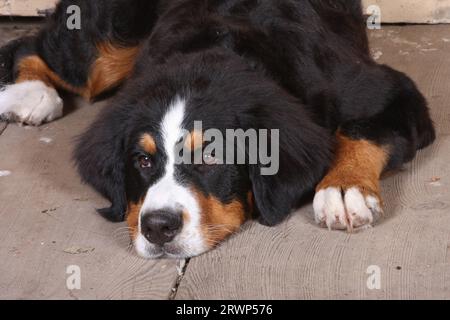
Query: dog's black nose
(160, 227)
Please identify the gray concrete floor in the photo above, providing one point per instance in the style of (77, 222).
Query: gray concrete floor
(48, 221)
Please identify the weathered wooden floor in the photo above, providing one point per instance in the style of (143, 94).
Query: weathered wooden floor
(48, 219)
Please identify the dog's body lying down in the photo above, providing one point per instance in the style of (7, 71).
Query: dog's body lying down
(302, 67)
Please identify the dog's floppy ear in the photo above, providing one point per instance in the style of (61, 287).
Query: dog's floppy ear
(100, 159)
(304, 150)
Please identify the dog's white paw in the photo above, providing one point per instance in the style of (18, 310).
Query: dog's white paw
(31, 103)
(348, 209)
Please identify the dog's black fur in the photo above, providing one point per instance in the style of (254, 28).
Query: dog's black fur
(302, 66)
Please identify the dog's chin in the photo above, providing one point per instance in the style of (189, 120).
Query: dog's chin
(148, 250)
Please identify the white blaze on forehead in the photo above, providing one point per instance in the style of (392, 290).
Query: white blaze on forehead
(168, 193)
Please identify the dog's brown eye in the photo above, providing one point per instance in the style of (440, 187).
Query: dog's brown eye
(209, 159)
(145, 162)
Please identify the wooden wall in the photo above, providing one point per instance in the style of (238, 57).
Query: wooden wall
(414, 11)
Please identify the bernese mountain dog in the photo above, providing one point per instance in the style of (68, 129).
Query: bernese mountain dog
(302, 67)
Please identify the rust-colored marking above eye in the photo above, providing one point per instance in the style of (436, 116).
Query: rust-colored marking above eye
(148, 144)
(194, 140)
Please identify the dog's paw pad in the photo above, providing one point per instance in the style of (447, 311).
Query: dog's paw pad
(348, 209)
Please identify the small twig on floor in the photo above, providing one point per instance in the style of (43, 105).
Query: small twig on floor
(181, 271)
(3, 127)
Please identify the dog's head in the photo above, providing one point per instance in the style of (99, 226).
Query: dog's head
(188, 155)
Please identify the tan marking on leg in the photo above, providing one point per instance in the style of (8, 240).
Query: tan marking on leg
(112, 66)
(34, 68)
(147, 142)
(358, 163)
(349, 195)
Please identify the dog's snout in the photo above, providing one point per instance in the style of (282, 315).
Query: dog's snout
(162, 226)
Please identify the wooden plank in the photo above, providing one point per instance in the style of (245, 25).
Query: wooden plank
(27, 8)
(11, 31)
(411, 246)
(412, 11)
(47, 213)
